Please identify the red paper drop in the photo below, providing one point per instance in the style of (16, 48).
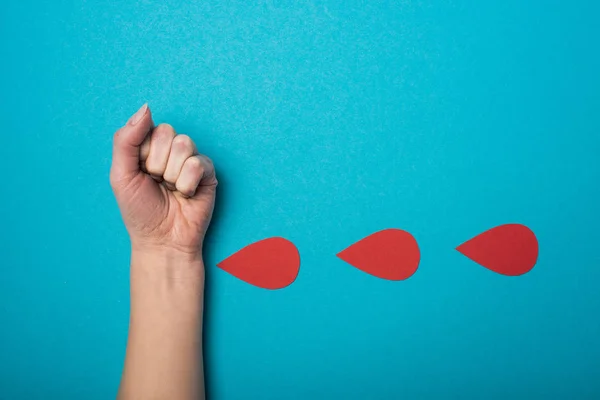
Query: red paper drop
(271, 263)
(510, 249)
(391, 254)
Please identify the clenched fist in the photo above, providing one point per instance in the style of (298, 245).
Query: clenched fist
(165, 189)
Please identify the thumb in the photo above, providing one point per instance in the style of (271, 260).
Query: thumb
(126, 145)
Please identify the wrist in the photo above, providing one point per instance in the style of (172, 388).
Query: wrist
(167, 253)
(166, 268)
(181, 253)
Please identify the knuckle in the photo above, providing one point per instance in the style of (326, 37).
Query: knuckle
(183, 142)
(164, 131)
(195, 165)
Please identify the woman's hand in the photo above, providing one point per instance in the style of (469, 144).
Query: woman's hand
(165, 189)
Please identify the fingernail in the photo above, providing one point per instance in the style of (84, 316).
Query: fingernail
(139, 114)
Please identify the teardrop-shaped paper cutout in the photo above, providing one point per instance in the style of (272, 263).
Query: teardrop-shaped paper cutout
(271, 263)
(510, 249)
(391, 254)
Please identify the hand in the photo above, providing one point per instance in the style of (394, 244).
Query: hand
(164, 188)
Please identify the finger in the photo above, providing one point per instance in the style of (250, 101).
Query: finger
(209, 178)
(160, 147)
(144, 151)
(126, 143)
(182, 148)
(196, 171)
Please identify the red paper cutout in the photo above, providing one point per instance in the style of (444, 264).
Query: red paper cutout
(388, 254)
(271, 263)
(510, 249)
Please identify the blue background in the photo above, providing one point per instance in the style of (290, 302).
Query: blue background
(327, 121)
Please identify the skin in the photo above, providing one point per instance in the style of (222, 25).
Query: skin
(166, 193)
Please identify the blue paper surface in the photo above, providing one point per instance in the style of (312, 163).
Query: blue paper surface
(327, 121)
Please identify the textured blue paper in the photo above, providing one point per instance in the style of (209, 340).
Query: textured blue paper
(327, 121)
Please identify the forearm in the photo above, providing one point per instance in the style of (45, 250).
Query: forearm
(164, 349)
